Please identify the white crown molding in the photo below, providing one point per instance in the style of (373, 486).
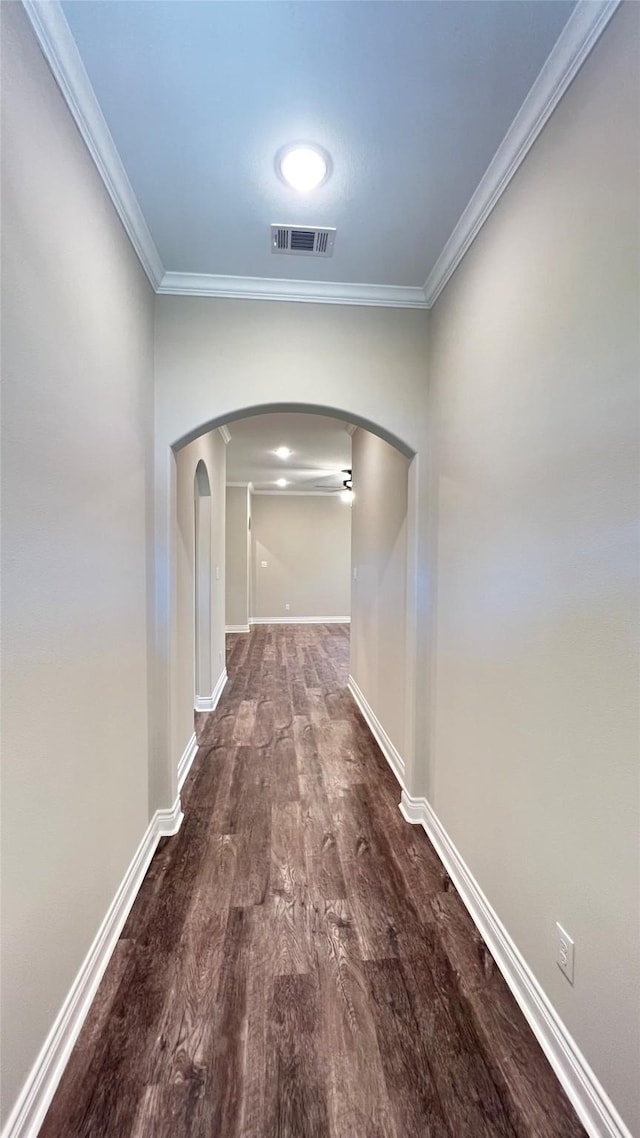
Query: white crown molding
(186, 759)
(300, 620)
(294, 493)
(61, 52)
(210, 702)
(390, 752)
(351, 428)
(34, 1100)
(225, 433)
(579, 35)
(310, 292)
(582, 31)
(590, 1101)
(242, 485)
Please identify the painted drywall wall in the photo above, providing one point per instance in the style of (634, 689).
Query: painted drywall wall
(215, 358)
(378, 596)
(305, 541)
(77, 421)
(202, 580)
(250, 566)
(238, 539)
(535, 362)
(210, 450)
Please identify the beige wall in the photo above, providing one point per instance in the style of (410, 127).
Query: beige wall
(535, 364)
(249, 558)
(77, 419)
(210, 449)
(306, 542)
(238, 546)
(378, 597)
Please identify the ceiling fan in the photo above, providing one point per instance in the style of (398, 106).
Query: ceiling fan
(347, 484)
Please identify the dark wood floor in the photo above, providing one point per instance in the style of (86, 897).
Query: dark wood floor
(296, 964)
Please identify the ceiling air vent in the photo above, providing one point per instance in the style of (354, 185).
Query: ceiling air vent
(303, 240)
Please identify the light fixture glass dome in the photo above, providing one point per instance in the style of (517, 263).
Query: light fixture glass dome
(303, 167)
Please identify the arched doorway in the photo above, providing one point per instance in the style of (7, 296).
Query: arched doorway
(416, 616)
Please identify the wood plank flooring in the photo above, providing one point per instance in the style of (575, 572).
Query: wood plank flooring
(297, 963)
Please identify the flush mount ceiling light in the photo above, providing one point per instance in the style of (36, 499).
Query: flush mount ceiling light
(283, 452)
(281, 482)
(304, 168)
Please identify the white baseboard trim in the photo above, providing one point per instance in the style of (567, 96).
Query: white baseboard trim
(167, 822)
(390, 752)
(186, 759)
(590, 1101)
(237, 628)
(28, 1114)
(300, 620)
(210, 702)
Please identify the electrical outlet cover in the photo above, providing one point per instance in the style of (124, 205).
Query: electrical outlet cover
(564, 957)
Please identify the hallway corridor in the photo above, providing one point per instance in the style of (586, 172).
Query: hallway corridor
(296, 963)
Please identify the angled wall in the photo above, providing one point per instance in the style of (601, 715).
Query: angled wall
(77, 423)
(535, 360)
(379, 587)
(237, 553)
(209, 449)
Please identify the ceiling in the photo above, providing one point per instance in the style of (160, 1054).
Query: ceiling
(410, 99)
(321, 449)
(426, 108)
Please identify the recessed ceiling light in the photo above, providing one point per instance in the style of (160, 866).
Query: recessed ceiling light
(303, 167)
(281, 482)
(283, 452)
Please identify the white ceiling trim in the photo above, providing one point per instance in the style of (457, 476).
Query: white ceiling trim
(293, 493)
(60, 50)
(313, 292)
(579, 35)
(225, 433)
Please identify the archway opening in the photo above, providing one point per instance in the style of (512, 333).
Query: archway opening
(382, 579)
(310, 408)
